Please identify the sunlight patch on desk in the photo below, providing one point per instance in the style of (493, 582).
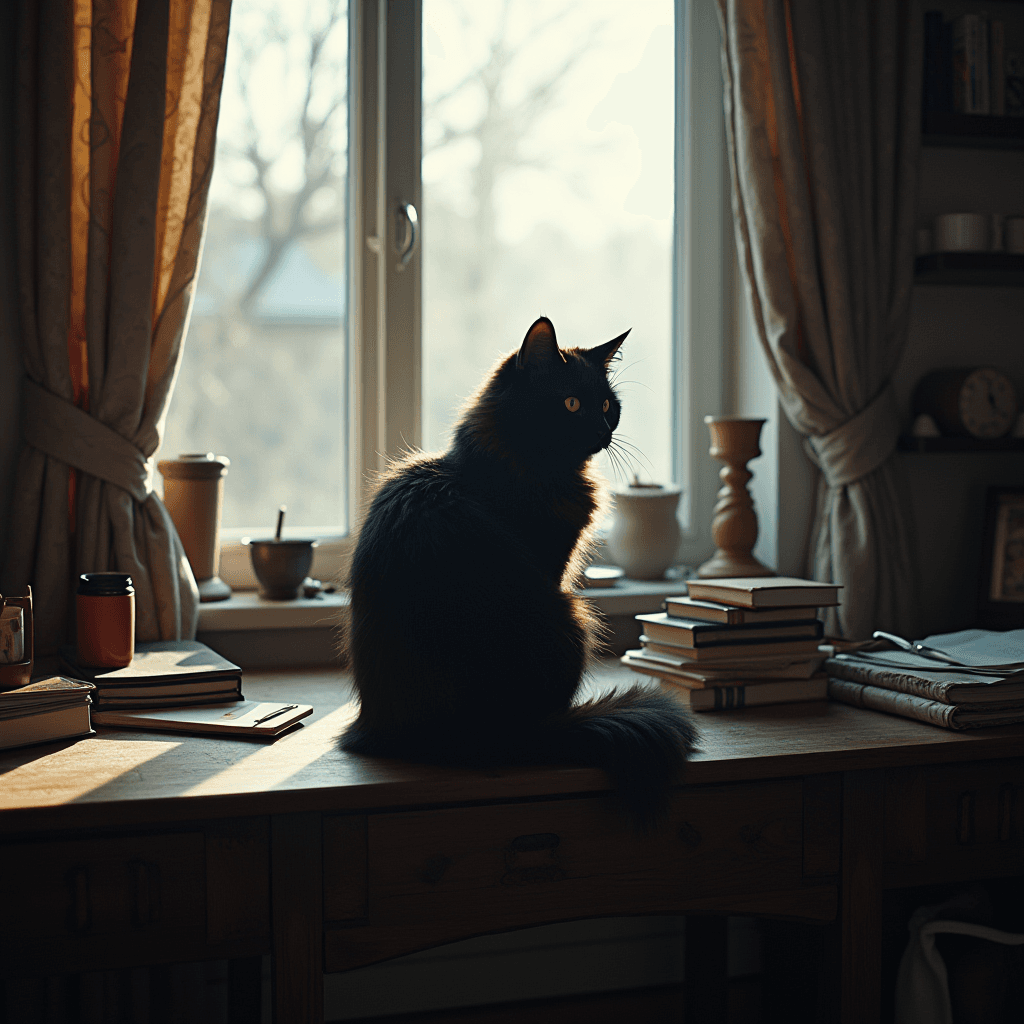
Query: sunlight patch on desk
(108, 760)
(271, 766)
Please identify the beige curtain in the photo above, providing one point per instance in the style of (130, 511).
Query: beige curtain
(823, 106)
(116, 111)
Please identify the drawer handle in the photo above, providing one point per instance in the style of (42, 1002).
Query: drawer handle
(532, 859)
(79, 884)
(145, 892)
(965, 819)
(540, 841)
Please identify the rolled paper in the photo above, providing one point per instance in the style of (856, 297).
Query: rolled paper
(12, 635)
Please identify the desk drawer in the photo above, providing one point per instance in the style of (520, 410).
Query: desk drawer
(953, 822)
(720, 840)
(135, 899)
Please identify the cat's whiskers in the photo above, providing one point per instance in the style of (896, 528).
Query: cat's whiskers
(634, 450)
(623, 458)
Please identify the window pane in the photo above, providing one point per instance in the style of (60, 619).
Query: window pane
(548, 138)
(263, 375)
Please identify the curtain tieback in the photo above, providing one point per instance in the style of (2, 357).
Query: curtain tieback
(860, 445)
(65, 432)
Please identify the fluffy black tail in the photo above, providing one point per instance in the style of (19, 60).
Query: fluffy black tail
(639, 736)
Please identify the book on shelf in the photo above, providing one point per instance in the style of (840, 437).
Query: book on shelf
(933, 712)
(687, 673)
(715, 611)
(766, 592)
(967, 68)
(43, 711)
(694, 633)
(256, 719)
(163, 673)
(726, 698)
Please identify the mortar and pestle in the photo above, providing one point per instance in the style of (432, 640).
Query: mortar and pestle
(281, 566)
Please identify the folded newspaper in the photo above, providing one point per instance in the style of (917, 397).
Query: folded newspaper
(987, 688)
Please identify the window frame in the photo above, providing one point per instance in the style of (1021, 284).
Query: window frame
(385, 298)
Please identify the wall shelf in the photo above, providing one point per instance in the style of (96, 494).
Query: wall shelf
(988, 269)
(971, 131)
(948, 445)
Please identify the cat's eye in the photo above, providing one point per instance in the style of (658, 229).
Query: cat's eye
(572, 404)
(604, 408)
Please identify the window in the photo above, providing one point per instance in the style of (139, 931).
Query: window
(548, 189)
(604, 209)
(263, 378)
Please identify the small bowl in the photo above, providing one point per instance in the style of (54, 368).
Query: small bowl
(280, 566)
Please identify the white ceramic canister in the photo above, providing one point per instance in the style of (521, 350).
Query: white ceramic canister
(963, 232)
(645, 534)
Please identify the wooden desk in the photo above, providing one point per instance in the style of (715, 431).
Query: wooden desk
(140, 848)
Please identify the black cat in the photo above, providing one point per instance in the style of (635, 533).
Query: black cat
(467, 644)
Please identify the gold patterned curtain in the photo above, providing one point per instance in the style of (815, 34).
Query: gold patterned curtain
(115, 118)
(823, 107)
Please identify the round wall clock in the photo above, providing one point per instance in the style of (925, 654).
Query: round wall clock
(968, 401)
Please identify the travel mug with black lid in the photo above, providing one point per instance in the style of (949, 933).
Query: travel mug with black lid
(105, 607)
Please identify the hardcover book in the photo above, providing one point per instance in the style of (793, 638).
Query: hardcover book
(43, 711)
(163, 673)
(738, 654)
(725, 698)
(698, 677)
(766, 592)
(908, 705)
(694, 633)
(715, 611)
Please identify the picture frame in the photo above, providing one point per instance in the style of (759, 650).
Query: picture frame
(1001, 589)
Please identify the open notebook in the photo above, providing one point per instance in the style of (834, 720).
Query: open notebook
(241, 718)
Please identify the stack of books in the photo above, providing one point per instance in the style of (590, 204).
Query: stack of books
(163, 674)
(980, 683)
(734, 643)
(49, 709)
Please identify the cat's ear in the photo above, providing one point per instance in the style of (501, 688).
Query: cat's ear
(539, 348)
(602, 355)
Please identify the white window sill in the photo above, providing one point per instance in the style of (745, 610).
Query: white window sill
(245, 609)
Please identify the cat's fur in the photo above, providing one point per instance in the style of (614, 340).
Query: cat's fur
(467, 644)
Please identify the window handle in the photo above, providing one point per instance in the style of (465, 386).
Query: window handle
(407, 233)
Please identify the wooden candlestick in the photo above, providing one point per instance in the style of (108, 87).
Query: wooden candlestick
(734, 441)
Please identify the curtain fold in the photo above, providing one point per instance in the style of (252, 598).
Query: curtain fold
(117, 105)
(822, 109)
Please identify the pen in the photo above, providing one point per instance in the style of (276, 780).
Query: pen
(274, 714)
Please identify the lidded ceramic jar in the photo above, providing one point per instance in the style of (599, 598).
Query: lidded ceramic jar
(105, 619)
(645, 534)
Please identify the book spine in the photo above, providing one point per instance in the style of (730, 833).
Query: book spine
(1013, 83)
(946, 93)
(984, 100)
(997, 86)
(888, 680)
(932, 61)
(903, 704)
(961, 78)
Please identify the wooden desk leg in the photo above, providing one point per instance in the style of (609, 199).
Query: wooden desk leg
(861, 899)
(296, 888)
(705, 975)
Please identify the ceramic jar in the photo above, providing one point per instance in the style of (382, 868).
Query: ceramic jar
(194, 497)
(645, 534)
